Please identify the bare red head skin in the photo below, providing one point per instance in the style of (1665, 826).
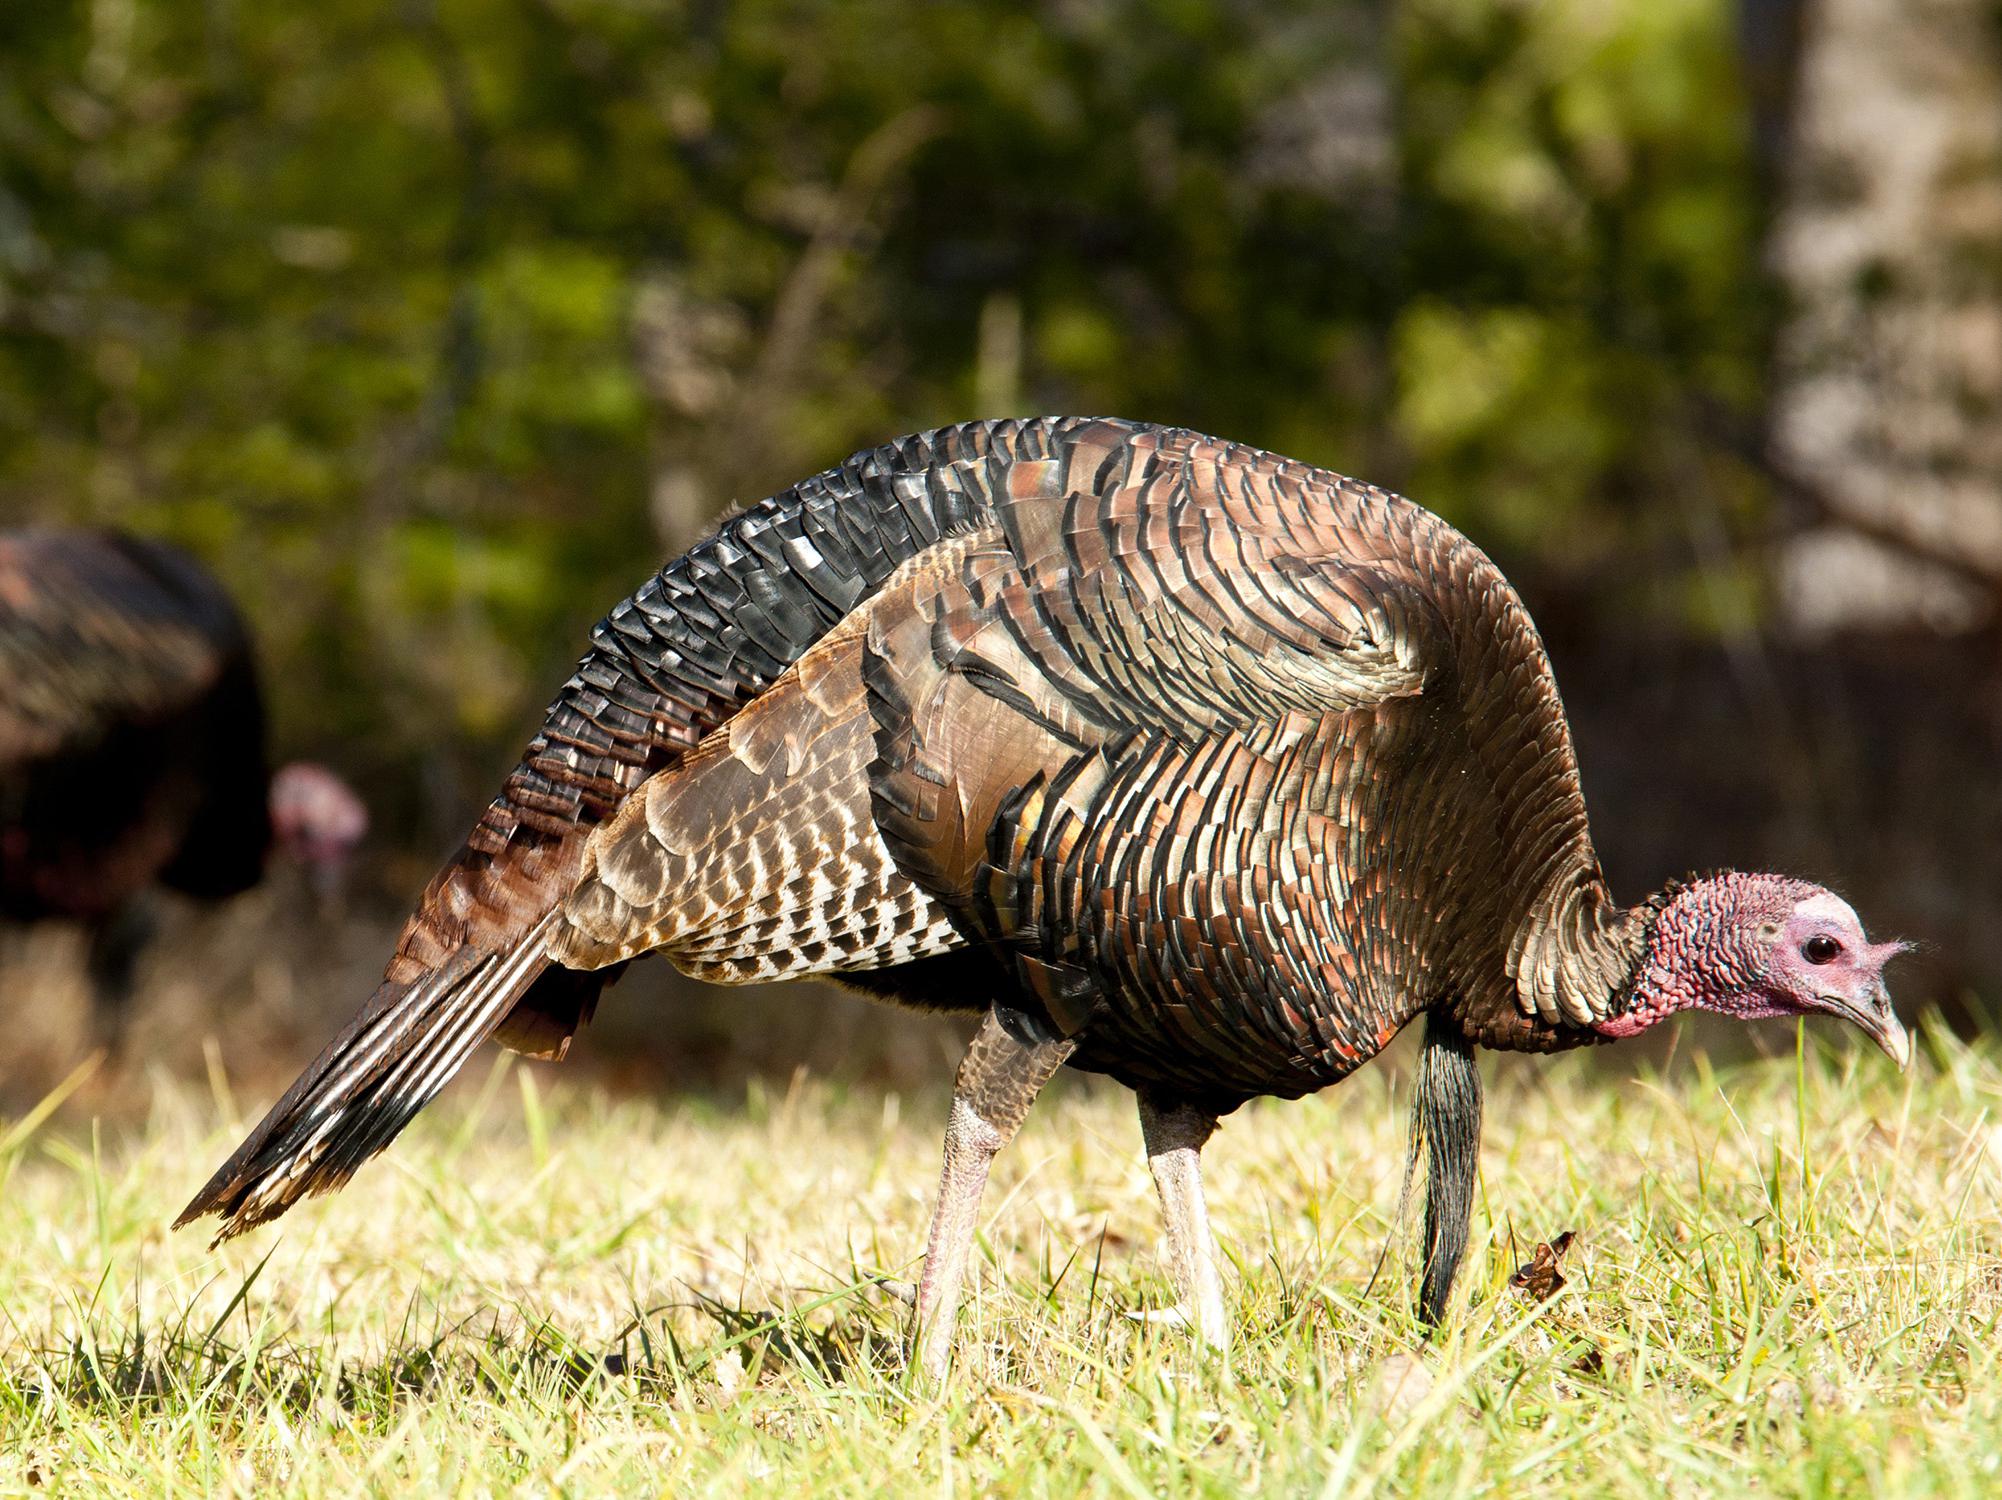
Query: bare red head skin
(317, 819)
(1753, 946)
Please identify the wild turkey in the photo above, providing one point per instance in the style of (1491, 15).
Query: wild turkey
(132, 745)
(1175, 760)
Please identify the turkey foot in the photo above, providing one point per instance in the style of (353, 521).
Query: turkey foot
(1175, 1134)
(1004, 1069)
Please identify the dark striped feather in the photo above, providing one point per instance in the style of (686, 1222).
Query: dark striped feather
(367, 1085)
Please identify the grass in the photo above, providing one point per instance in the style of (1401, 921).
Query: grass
(1786, 1280)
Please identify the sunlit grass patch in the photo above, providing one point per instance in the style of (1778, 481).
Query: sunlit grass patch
(1787, 1276)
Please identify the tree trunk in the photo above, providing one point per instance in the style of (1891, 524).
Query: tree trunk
(1886, 420)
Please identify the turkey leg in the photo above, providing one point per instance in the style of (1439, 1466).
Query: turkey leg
(1175, 1134)
(1006, 1066)
(116, 945)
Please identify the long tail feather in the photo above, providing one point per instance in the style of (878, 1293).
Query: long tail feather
(706, 635)
(368, 1084)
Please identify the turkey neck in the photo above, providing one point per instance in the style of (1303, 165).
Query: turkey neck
(1568, 949)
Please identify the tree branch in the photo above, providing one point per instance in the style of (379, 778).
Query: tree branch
(1985, 573)
(1888, 531)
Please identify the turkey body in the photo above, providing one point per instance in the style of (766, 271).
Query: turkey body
(1180, 761)
(131, 728)
(1174, 734)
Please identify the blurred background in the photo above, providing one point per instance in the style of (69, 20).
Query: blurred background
(432, 325)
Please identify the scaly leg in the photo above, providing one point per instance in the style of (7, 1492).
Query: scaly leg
(1004, 1069)
(1175, 1134)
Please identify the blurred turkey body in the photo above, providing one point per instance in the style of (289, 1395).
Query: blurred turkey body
(131, 730)
(1183, 762)
(132, 744)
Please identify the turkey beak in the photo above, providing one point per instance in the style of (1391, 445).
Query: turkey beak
(1874, 1014)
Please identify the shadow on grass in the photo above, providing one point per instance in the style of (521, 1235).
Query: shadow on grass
(181, 1368)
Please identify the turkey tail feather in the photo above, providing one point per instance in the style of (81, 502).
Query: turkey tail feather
(368, 1084)
(706, 635)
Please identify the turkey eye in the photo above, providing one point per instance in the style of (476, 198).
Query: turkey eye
(1820, 950)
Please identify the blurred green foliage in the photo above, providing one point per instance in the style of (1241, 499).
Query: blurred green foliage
(434, 323)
